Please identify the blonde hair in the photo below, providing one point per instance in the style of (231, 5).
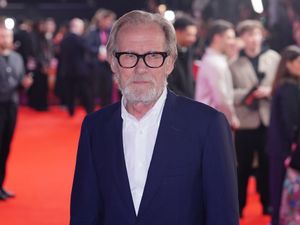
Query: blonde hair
(248, 26)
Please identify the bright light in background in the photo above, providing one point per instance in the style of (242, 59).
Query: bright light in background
(169, 15)
(9, 23)
(162, 8)
(257, 6)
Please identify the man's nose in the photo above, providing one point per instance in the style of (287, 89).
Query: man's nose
(141, 65)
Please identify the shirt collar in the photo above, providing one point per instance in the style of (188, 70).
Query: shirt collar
(153, 114)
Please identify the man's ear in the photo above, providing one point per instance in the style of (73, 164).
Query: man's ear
(169, 65)
(113, 64)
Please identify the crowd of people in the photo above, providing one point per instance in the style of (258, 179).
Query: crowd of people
(255, 87)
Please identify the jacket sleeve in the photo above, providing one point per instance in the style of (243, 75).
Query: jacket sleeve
(288, 100)
(220, 175)
(85, 199)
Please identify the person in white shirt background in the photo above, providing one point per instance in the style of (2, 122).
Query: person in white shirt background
(214, 81)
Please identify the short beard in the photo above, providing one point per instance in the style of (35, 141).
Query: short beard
(135, 96)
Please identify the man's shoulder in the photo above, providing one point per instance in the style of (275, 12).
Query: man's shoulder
(271, 55)
(15, 55)
(104, 114)
(271, 52)
(192, 109)
(240, 61)
(194, 117)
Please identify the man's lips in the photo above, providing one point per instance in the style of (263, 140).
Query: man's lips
(141, 82)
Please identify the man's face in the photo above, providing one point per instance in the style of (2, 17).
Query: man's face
(297, 35)
(141, 84)
(106, 22)
(252, 39)
(6, 39)
(50, 26)
(227, 40)
(294, 67)
(187, 37)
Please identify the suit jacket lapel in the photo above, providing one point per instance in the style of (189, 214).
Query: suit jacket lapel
(119, 166)
(160, 156)
(159, 159)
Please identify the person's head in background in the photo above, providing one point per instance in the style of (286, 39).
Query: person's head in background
(220, 36)
(186, 31)
(50, 27)
(234, 48)
(103, 19)
(289, 66)
(6, 40)
(251, 33)
(77, 26)
(296, 31)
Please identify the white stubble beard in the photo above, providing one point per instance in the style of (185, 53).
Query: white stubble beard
(139, 95)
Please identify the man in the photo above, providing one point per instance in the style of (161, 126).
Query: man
(181, 81)
(97, 39)
(253, 73)
(74, 69)
(154, 157)
(11, 76)
(214, 82)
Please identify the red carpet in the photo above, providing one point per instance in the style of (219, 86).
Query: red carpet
(41, 166)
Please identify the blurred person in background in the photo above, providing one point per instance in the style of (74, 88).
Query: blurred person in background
(11, 77)
(74, 69)
(296, 32)
(43, 55)
(97, 38)
(284, 124)
(23, 41)
(24, 46)
(214, 82)
(252, 75)
(181, 81)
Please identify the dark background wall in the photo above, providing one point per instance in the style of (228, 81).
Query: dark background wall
(64, 10)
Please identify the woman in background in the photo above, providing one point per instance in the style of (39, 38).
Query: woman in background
(285, 120)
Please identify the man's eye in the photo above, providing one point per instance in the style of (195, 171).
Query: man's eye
(154, 55)
(130, 56)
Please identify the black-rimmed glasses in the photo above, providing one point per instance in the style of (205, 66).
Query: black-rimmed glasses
(151, 59)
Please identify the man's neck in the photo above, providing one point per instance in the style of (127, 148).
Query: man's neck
(138, 110)
(4, 52)
(252, 53)
(216, 48)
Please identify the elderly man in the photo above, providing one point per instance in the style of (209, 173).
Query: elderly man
(154, 157)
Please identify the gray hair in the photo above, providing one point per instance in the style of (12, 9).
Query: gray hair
(136, 17)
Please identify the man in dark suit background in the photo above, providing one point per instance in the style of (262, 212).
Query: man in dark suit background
(74, 69)
(153, 158)
(96, 39)
(181, 81)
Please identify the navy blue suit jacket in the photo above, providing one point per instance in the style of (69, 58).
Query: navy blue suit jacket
(191, 179)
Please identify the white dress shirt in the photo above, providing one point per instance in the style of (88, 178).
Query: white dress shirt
(214, 83)
(139, 137)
